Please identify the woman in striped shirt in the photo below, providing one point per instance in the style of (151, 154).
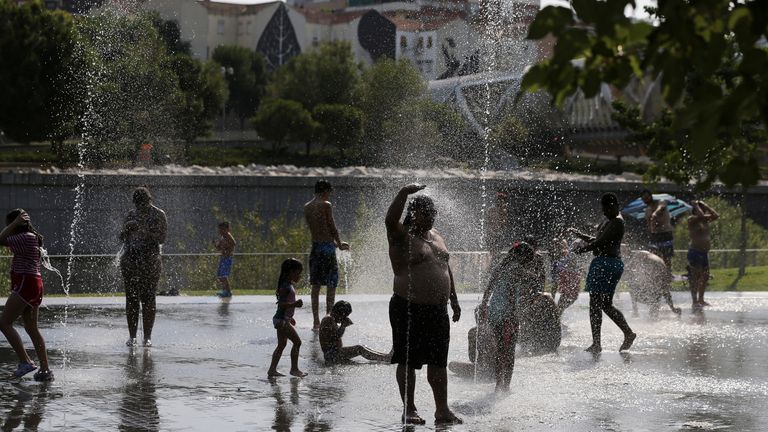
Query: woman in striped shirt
(26, 292)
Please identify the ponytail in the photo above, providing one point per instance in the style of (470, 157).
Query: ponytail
(289, 266)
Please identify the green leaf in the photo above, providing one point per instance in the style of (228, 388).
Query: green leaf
(535, 78)
(591, 85)
(571, 44)
(703, 138)
(551, 19)
(753, 61)
(586, 10)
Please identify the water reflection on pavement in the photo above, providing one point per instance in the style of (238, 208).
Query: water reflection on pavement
(207, 371)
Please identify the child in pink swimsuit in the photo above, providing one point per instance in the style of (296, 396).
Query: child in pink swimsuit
(26, 292)
(290, 274)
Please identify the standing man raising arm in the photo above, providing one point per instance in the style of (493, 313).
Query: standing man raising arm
(423, 285)
(698, 252)
(323, 267)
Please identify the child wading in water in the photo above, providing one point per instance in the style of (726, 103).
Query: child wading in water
(290, 274)
(226, 245)
(26, 292)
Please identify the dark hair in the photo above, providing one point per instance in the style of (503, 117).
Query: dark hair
(27, 227)
(141, 195)
(609, 199)
(531, 240)
(420, 203)
(521, 252)
(646, 191)
(323, 186)
(286, 268)
(342, 308)
(224, 224)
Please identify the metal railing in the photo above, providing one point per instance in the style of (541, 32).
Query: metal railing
(362, 271)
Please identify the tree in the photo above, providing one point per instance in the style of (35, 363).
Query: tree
(246, 81)
(133, 94)
(37, 49)
(510, 135)
(170, 33)
(385, 88)
(280, 119)
(326, 75)
(712, 63)
(204, 93)
(341, 125)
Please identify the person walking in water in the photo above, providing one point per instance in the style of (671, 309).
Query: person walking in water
(604, 272)
(290, 274)
(323, 267)
(226, 246)
(423, 285)
(26, 292)
(143, 232)
(698, 251)
(499, 308)
(659, 227)
(332, 329)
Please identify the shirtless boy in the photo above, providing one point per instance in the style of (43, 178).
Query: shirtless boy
(698, 252)
(226, 245)
(332, 329)
(323, 267)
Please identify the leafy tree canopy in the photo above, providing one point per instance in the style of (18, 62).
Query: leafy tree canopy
(247, 79)
(279, 119)
(36, 48)
(341, 125)
(712, 63)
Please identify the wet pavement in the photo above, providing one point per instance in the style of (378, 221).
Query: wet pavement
(207, 371)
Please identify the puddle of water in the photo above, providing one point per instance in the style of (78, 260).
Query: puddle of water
(207, 371)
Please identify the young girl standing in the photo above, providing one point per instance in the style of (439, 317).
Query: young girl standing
(26, 292)
(290, 274)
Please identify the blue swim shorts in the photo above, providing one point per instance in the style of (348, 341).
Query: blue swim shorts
(698, 259)
(225, 267)
(604, 274)
(323, 267)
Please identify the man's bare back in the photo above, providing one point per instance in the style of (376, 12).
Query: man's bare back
(319, 216)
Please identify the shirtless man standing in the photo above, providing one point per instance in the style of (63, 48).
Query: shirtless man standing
(323, 267)
(698, 252)
(423, 285)
(660, 227)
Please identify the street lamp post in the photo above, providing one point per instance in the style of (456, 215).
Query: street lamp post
(226, 71)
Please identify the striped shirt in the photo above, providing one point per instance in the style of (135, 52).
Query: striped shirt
(26, 253)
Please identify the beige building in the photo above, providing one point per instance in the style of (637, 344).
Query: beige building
(442, 38)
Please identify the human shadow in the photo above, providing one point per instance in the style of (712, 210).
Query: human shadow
(138, 409)
(28, 410)
(285, 412)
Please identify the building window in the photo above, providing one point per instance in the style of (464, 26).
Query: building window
(248, 28)
(420, 43)
(220, 27)
(403, 42)
(429, 42)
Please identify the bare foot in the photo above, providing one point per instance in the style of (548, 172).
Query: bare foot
(413, 418)
(594, 349)
(274, 373)
(628, 341)
(316, 327)
(297, 373)
(447, 418)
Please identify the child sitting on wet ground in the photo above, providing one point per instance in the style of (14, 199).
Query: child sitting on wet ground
(290, 274)
(332, 329)
(26, 292)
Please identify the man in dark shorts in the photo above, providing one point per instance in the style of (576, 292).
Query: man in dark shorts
(660, 227)
(423, 285)
(143, 232)
(605, 270)
(323, 267)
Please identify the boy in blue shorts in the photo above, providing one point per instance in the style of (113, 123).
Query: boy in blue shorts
(226, 245)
